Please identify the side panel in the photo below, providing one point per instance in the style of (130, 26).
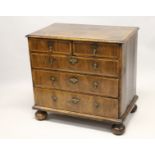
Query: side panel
(128, 75)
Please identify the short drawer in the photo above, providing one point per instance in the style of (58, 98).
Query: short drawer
(106, 50)
(86, 104)
(76, 82)
(76, 64)
(47, 45)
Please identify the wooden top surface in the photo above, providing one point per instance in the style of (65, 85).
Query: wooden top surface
(114, 34)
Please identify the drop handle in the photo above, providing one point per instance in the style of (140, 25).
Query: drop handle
(52, 78)
(95, 65)
(94, 49)
(51, 60)
(95, 84)
(74, 100)
(96, 105)
(50, 46)
(73, 80)
(54, 98)
(73, 60)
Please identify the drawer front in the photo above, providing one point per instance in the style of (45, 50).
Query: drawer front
(76, 82)
(76, 64)
(107, 50)
(46, 45)
(86, 104)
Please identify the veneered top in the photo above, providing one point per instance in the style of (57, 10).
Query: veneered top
(114, 34)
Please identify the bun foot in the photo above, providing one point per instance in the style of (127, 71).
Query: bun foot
(41, 115)
(118, 129)
(134, 109)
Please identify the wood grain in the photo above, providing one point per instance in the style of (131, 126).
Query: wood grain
(86, 71)
(105, 50)
(82, 65)
(76, 82)
(99, 33)
(50, 46)
(86, 104)
(88, 116)
(128, 71)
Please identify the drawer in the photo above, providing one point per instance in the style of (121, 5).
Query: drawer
(76, 82)
(107, 50)
(47, 45)
(86, 104)
(76, 64)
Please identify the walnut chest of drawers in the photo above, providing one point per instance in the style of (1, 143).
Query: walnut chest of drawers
(86, 71)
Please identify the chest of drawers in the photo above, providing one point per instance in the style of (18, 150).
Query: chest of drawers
(85, 71)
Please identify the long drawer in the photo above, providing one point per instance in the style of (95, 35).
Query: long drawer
(76, 82)
(86, 104)
(103, 67)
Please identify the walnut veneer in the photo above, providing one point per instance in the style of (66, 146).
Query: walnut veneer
(86, 71)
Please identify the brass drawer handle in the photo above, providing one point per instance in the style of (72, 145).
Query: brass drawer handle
(52, 78)
(73, 60)
(95, 84)
(50, 46)
(51, 60)
(94, 49)
(54, 98)
(73, 80)
(95, 65)
(96, 105)
(74, 100)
